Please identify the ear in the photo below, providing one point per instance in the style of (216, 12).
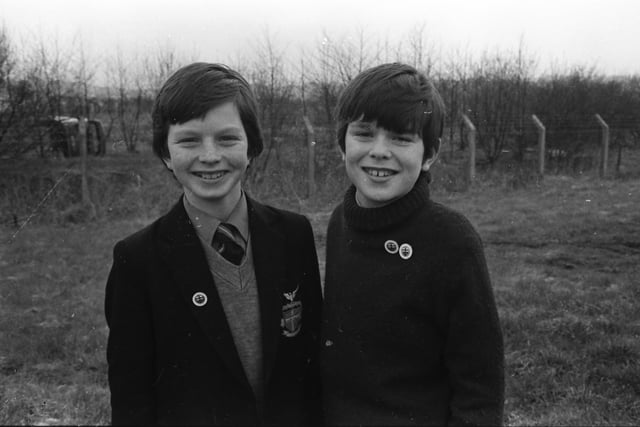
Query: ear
(434, 156)
(167, 163)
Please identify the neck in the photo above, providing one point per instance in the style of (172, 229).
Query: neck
(380, 217)
(219, 209)
(358, 197)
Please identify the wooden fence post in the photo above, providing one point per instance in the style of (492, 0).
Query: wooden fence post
(311, 162)
(472, 148)
(541, 143)
(604, 153)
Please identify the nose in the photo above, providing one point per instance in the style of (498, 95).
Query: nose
(380, 147)
(210, 152)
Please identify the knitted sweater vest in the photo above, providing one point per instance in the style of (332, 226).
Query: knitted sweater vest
(410, 333)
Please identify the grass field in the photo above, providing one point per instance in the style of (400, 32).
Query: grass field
(564, 255)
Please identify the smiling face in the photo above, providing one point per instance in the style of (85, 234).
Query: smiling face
(208, 156)
(383, 165)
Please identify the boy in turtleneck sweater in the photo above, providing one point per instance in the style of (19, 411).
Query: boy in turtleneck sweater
(411, 334)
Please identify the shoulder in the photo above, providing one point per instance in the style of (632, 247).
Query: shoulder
(448, 225)
(141, 242)
(337, 213)
(336, 216)
(287, 220)
(140, 237)
(290, 218)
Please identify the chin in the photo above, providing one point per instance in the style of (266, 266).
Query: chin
(376, 201)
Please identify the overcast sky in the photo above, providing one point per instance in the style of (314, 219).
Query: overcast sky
(565, 32)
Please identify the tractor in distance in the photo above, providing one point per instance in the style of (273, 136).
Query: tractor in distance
(63, 133)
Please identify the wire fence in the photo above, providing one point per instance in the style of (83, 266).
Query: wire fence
(306, 166)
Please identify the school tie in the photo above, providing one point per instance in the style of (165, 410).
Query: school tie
(225, 243)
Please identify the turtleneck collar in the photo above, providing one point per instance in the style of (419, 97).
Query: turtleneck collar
(370, 219)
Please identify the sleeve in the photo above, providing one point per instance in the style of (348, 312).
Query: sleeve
(130, 343)
(474, 352)
(313, 314)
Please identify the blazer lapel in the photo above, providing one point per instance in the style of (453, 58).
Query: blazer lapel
(268, 248)
(183, 254)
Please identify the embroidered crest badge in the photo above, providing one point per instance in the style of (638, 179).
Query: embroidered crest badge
(291, 321)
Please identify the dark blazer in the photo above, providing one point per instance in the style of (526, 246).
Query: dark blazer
(173, 362)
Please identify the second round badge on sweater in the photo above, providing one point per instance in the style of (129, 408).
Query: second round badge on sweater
(404, 250)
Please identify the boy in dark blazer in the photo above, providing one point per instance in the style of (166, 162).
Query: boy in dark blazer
(213, 309)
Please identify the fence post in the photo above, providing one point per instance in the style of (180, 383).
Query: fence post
(311, 162)
(542, 132)
(472, 148)
(604, 153)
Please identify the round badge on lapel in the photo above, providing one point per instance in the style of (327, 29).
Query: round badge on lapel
(405, 251)
(199, 299)
(391, 246)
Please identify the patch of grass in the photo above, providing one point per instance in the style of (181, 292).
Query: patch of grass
(563, 254)
(49, 190)
(52, 331)
(563, 259)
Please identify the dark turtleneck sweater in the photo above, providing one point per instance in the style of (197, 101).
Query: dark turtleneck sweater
(413, 339)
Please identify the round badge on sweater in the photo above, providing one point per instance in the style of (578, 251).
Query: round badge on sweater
(199, 299)
(391, 246)
(405, 251)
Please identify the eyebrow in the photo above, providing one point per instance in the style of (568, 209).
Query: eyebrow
(189, 131)
(230, 128)
(183, 133)
(362, 124)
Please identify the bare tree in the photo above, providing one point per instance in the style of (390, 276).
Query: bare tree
(159, 64)
(421, 52)
(12, 95)
(46, 90)
(453, 82)
(53, 64)
(525, 68)
(566, 101)
(334, 63)
(125, 98)
(493, 96)
(83, 73)
(324, 88)
(275, 91)
(626, 111)
(349, 55)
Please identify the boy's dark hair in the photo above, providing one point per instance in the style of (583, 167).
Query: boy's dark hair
(399, 98)
(195, 89)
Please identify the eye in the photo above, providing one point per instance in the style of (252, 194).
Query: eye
(404, 139)
(187, 140)
(229, 139)
(361, 133)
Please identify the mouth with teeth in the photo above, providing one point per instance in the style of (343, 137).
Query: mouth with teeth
(379, 172)
(209, 176)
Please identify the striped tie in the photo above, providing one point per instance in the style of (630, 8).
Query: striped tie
(224, 241)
